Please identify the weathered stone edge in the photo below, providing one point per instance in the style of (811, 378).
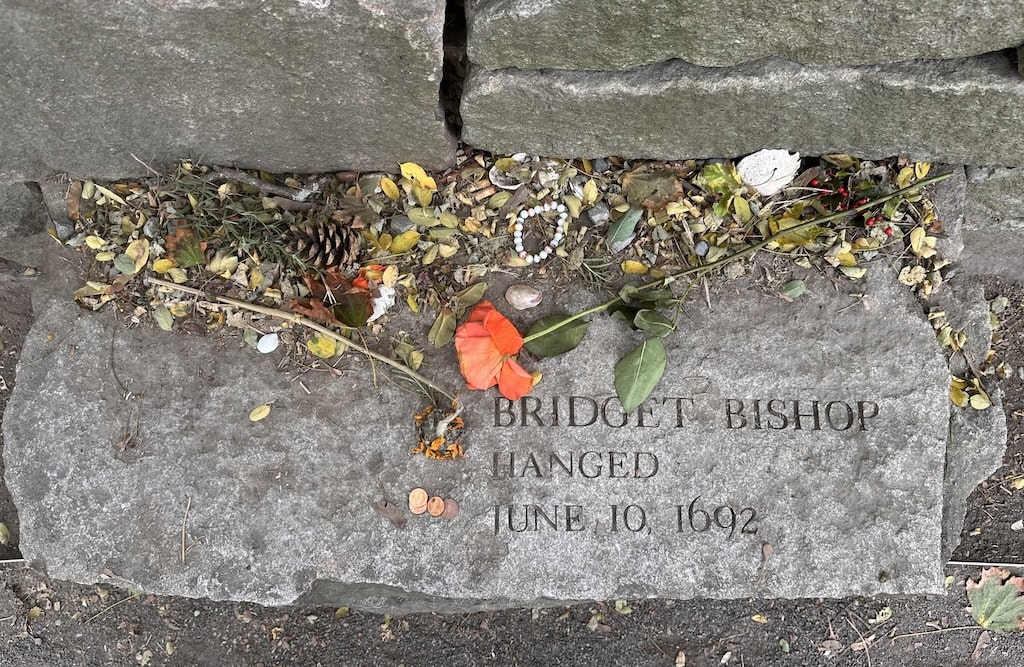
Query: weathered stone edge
(929, 110)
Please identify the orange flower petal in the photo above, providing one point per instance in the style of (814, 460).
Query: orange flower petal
(513, 381)
(479, 360)
(480, 311)
(506, 336)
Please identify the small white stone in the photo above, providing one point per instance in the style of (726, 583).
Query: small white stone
(561, 209)
(523, 297)
(517, 230)
(522, 253)
(543, 254)
(524, 215)
(268, 343)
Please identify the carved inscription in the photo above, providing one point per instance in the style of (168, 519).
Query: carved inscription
(695, 516)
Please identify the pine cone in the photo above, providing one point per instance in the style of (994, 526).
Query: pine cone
(323, 244)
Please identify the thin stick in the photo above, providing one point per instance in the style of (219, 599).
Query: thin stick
(867, 646)
(184, 524)
(155, 172)
(272, 188)
(977, 564)
(310, 324)
(932, 632)
(172, 286)
(131, 596)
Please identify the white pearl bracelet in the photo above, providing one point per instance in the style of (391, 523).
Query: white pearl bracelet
(560, 229)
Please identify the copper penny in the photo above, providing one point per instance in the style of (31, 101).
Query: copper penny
(435, 506)
(451, 509)
(417, 501)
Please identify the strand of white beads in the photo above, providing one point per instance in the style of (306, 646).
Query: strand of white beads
(561, 226)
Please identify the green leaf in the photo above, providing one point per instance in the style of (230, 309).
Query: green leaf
(424, 217)
(720, 178)
(639, 372)
(621, 233)
(163, 318)
(794, 289)
(469, 297)
(353, 308)
(5, 534)
(560, 340)
(189, 253)
(653, 323)
(996, 600)
(444, 328)
(125, 265)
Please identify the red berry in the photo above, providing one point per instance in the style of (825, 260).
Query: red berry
(870, 222)
(814, 183)
(861, 202)
(842, 191)
(888, 231)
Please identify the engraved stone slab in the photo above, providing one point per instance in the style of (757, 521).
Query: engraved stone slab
(817, 427)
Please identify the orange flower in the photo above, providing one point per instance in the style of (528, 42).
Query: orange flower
(485, 344)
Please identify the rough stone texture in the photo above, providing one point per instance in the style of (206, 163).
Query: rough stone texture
(977, 439)
(609, 34)
(949, 198)
(283, 505)
(21, 214)
(994, 226)
(284, 85)
(968, 111)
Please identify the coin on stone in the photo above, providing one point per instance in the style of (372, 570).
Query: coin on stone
(435, 506)
(417, 501)
(451, 509)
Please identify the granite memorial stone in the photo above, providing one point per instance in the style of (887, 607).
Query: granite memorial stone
(792, 449)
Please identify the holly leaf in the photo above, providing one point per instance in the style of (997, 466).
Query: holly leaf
(997, 600)
(322, 346)
(559, 341)
(638, 373)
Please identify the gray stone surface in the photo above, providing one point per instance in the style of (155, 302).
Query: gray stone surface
(968, 111)
(284, 85)
(608, 34)
(977, 439)
(21, 214)
(994, 222)
(281, 508)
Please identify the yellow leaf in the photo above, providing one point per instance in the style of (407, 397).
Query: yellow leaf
(921, 169)
(138, 252)
(404, 242)
(177, 276)
(105, 256)
(430, 255)
(389, 188)
(415, 173)
(633, 267)
(223, 264)
(853, 272)
(759, 618)
(259, 412)
(590, 193)
(95, 242)
(446, 250)
(958, 396)
(321, 346)
(411, 302)
(255, 278)
(179, 309)
(676, 208)
(574, 205)
(903, 178)
(1018, 483)
(422, 195)
(164, 265)
(742, 208)
(846, 259)
(390, 276)
(981, 401)
(916, 239)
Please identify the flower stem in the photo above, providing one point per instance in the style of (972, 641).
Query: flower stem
(707, 268)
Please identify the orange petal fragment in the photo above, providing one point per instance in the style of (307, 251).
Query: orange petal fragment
(506, 336)
(513, 381)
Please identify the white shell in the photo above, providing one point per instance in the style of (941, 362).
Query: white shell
(522, 297)
(503, 180)
(268, 343)
(769, 171)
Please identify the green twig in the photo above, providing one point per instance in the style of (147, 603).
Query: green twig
(707, 268)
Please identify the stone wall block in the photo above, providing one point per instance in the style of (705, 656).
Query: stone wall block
(611, 35)
(283, 85)
(967, 111)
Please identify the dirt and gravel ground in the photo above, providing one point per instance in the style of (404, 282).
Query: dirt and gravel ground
(57, 623)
